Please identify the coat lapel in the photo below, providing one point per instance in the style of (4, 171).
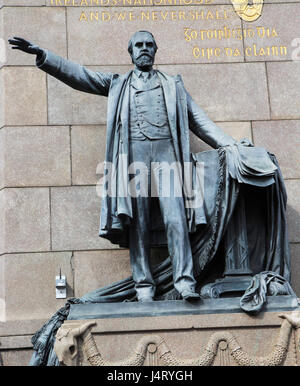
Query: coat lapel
(169, 89)
(114, 111)
(124, 113)
(115, 96)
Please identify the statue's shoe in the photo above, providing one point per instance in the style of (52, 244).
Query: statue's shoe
(190, 295)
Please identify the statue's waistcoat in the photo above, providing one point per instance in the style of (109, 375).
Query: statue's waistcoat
(148, 113)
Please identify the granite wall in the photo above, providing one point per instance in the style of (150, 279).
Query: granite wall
(244, 74)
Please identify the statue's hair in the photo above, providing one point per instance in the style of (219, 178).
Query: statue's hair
(130, 41)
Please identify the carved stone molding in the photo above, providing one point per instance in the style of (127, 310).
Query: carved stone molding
(72, 344)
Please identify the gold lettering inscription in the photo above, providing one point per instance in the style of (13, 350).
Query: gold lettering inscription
(131, 16)
(254, 50)
(229, 33)
(94, 15)
(156, 15)
(145, 16)
(121, 16)
(209, 53)
(206, 52)
(83, 17)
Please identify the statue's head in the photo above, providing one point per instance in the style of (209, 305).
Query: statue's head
(142, 49)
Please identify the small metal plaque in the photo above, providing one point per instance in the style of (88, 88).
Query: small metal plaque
(61, 287)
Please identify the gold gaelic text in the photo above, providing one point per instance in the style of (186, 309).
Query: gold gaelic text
(255, 50)
(229, 33)
(250, 51)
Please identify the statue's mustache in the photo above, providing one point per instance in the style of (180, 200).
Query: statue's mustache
(145, 54)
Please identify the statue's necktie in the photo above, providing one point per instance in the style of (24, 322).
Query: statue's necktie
(145, 76)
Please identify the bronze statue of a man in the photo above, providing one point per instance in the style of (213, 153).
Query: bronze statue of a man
(148, 121)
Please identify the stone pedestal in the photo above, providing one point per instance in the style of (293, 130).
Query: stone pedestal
(180, 333)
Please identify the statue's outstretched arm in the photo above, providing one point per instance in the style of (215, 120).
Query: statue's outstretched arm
(72, 74)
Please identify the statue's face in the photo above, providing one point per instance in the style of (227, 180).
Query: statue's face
(143, 50)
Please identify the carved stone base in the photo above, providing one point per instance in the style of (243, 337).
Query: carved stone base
(198, 340)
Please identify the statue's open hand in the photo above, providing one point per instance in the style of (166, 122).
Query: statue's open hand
(25, 46)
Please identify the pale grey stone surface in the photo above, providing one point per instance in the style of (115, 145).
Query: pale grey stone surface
(1, 159)
(25, 99)
(2, 225)
(25, 217)
(88, 151)
(237, 130)
(75, 219)
(281, 1)
(30, 284)
(282, 138)
(265, 1)
(20, 327)
(71, 107)
(2, 98)
(227, 92)
(16, 357)
(101, 268)
(11, 342)
(24, 3)
(32, 23)
(35, 156)
(295, 263)
(284, 86)
(2, 282)
(293, 209)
